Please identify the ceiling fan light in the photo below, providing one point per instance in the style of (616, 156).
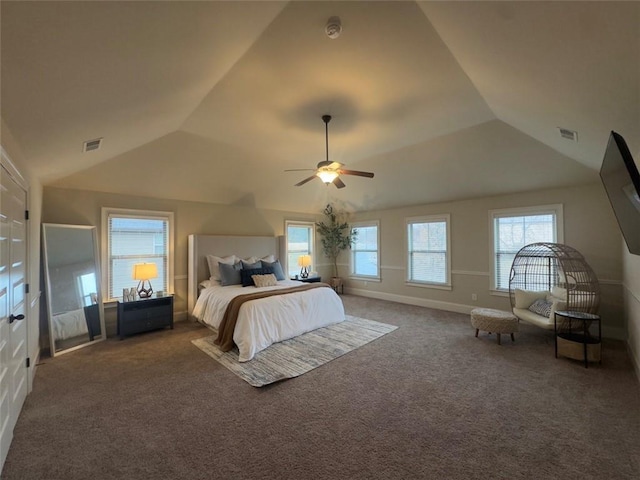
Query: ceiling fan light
(327, 176)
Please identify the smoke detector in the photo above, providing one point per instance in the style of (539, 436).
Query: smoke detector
(333, 28)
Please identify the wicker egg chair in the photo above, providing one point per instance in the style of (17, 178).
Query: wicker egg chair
(558, 272)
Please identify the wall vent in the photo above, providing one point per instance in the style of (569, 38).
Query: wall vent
(91, 145)
(568, 134)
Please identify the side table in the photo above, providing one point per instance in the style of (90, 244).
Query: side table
(144, 315)
(310, 279)
(566, 341)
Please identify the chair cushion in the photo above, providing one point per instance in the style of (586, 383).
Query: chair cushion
(524, 298)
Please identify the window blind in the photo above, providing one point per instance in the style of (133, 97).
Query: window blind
(364, 252)
(514, 232)
(299, 242)
(427, 252)
(134, 240)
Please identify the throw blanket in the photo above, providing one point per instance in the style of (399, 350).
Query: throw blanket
(228, 323)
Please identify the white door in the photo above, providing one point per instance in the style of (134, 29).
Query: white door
(13, 325)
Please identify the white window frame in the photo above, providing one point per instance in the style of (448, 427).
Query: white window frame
(142, 214)
(356, 226)
(555, 210)
(312, 242)
(445, 217)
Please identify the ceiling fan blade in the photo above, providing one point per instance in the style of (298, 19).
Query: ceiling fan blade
(338, 183)
(356, 172)
(305, 181)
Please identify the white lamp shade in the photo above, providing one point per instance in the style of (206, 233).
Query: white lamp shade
(327, 176)
(145, 271)
(304, 260)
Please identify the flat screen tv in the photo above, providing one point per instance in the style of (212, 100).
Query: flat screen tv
(621, 180)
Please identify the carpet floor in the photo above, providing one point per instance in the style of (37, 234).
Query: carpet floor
(291, 358)
(427, 401)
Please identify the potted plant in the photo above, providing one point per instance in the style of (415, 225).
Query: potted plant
(336, 236)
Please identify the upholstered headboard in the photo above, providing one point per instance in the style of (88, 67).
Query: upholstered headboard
(222, 246)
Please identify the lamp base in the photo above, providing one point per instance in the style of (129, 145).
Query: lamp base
(304, 273)
(144, 292)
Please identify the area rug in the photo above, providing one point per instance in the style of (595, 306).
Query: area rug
(298, 355)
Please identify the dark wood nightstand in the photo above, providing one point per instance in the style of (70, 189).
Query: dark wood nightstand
(144, 315)
(309, 279)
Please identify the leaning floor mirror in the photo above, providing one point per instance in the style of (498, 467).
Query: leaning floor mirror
(72, 278)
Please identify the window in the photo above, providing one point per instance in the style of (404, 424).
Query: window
(512, 229)
(365, 260)
(87, 288)
(136, 236)
(300, 239)
(428, 259)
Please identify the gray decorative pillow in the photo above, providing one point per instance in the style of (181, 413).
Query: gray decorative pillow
(251, 266)
(230, 274)
(541, 307)
(277, 269)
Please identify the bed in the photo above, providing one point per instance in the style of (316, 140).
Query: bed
(69, 324)
(76, 323)
(262, 321)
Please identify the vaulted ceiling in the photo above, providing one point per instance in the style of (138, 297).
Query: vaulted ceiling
(212, 101)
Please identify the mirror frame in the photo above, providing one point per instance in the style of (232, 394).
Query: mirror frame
(47, 279)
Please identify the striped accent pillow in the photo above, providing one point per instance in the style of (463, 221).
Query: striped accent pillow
(541, 307)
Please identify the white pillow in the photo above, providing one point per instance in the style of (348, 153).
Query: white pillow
(524, 298)
(214, 268)
(559, 292)
(269, 258)
(556, 304)
(250, 259)
(208, 283)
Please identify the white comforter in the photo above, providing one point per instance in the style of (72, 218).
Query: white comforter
(69, 324)
(265, 321)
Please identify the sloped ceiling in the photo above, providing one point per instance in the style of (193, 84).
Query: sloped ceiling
(212, 101)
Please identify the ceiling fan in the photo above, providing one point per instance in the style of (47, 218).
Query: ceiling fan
(329, 172)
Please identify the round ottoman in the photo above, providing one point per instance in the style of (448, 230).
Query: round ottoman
(496, 321)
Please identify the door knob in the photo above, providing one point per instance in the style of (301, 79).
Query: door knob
(13, 318)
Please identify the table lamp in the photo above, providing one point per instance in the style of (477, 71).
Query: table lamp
(143, 272)
(304, 261)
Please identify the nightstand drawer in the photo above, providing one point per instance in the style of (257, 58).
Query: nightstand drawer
(138, 325)
(144, 315)
(149, 312)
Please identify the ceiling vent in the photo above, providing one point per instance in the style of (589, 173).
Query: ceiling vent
(91, 145)
(568, 134)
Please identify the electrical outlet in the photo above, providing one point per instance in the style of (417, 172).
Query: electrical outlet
(474, 296)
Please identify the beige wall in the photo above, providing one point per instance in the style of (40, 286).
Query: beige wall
(81, 207)
(589, 226)
(34, 320)
(631, 264)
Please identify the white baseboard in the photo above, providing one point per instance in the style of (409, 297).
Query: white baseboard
(607, 332)
(180, 316)
(420, 302)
